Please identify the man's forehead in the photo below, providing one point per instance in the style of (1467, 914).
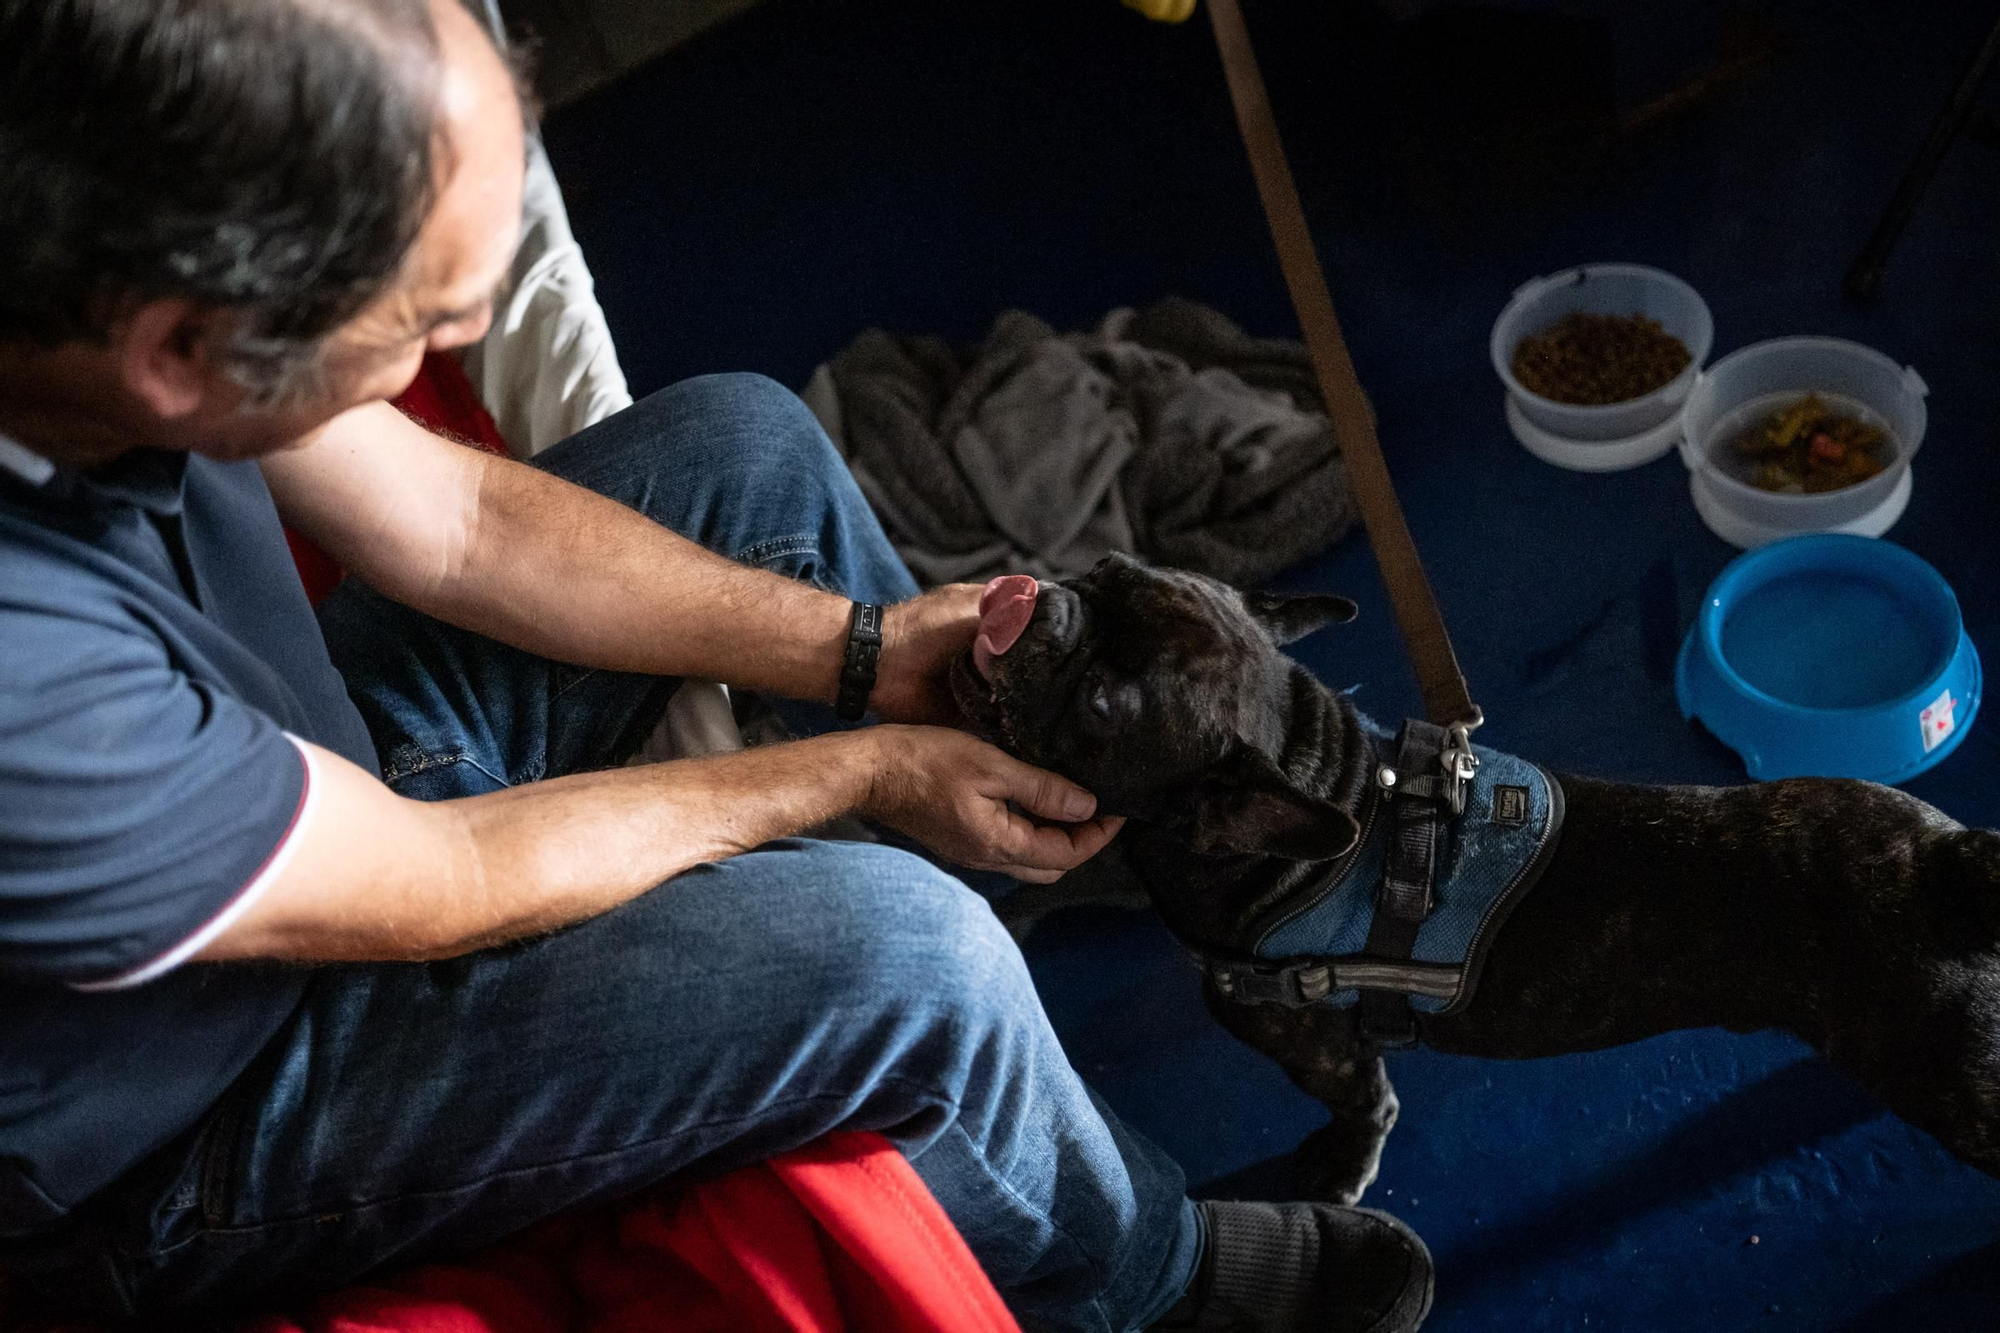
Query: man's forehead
(474, 228)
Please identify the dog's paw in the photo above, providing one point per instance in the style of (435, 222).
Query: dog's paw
(1337, 1163)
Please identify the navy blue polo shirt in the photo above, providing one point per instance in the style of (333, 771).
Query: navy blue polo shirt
(157, 657)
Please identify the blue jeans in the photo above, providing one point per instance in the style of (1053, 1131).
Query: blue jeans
(415, 1111)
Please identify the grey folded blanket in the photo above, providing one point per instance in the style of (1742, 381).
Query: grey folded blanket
(1169, 433)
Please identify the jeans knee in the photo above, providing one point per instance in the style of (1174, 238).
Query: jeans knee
(738, 463)
(744, 422)
(917, 936)
(762, 484)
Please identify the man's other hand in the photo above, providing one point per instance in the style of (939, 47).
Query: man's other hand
(956, 794)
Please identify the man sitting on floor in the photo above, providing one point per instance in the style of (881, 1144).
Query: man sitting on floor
(326, 945)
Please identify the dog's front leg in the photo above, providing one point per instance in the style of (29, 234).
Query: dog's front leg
(1320, 1048)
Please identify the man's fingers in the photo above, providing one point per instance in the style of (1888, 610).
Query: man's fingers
(976, 786)
(1092, 838)
(1055, 847)
(1086, 841)
(1041, 846)
(1030, 876)
(1042, 793)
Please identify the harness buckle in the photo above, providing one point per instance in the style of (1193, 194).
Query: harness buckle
(1458, 761)
(1294, 985)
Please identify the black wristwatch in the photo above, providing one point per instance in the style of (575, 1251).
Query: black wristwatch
(857, 669)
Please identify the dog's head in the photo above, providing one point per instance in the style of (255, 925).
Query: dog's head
(1163, 692)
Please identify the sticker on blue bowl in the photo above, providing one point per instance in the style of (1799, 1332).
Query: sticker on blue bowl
(1938, 721)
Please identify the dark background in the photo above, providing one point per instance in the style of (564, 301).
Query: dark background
(761, 193)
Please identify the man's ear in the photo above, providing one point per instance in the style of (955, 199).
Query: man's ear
(166, 355)
(1290, 618)
(1246, 805)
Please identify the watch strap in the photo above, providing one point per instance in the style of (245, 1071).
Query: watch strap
(857, 667)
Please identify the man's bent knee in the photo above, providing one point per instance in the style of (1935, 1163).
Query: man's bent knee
(745, 425)
(879, 925)
(739, 463)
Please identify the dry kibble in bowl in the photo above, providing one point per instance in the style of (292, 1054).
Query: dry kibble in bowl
(1589, 360)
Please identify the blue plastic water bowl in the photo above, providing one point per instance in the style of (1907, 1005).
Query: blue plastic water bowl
(1831, 656)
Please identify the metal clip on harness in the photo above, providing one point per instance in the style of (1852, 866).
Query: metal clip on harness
(1458, 761)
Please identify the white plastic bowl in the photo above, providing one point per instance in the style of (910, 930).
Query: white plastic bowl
(1754, 381)
(1591, 455)
(1603, 289)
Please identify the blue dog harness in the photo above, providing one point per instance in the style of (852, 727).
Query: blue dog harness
(1405, 918)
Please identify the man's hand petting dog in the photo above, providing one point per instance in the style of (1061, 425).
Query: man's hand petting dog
(921, 639)
(957, 795)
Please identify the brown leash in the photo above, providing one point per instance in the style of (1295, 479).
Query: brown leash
(1447, 698)
(1434, 764)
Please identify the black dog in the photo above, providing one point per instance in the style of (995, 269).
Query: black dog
(1852, 915)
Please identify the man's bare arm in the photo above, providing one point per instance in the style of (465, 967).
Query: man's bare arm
(375, 876)
(511, 552)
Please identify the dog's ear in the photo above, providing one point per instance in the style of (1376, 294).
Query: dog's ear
(1291, 618)
(1246, 804)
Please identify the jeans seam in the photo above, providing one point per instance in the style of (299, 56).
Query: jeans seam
(213, 1176)
(588, 675)
(429, 760)
(346, 1209)
(422, 762)
(1001, 1183)
(774, 548)
(343, 1211)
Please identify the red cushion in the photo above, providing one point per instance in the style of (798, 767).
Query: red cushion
(442, 397)
(839, 1235)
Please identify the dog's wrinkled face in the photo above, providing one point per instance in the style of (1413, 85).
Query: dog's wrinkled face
(1163, 692)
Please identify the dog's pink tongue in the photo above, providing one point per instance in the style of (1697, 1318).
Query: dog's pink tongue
(1004, 611)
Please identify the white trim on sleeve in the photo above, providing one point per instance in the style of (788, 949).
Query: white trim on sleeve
(25, 463)
(274, 866)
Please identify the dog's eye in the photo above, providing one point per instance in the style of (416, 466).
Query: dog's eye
(1109, 702)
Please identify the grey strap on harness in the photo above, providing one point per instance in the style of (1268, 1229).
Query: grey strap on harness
(1435, 763)
(1307, 981)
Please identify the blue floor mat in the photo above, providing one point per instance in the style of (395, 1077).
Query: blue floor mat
(817, 166)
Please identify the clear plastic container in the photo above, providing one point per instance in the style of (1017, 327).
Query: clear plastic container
(1755, 381)
(1603, 289)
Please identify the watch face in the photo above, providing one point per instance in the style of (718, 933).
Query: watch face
(868, 619)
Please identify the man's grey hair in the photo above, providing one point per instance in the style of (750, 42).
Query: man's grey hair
(272, 159)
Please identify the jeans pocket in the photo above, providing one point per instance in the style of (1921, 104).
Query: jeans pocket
(112, 1257)
(407, 759)
(422, 774)
(215, 1163)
